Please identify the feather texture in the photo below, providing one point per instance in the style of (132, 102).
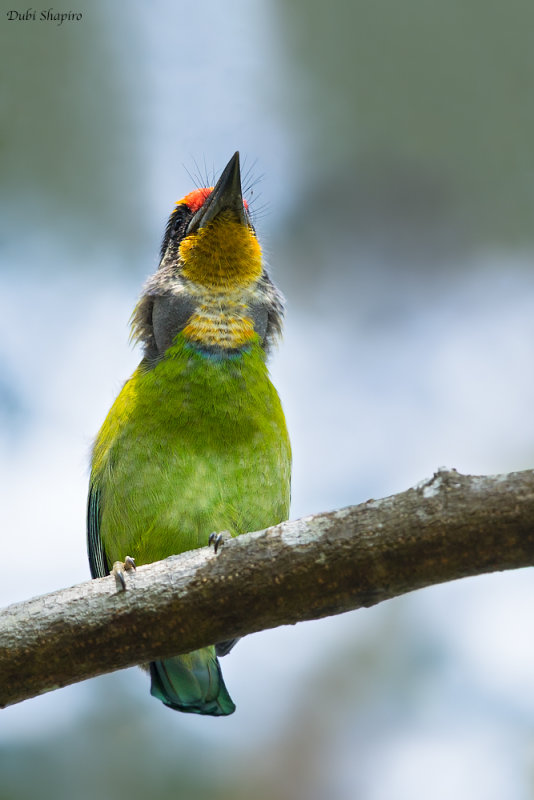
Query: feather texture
(196, 441)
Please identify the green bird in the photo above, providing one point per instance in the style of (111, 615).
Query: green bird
(196, 442)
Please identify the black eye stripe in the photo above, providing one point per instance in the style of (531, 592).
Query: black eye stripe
(176, 226)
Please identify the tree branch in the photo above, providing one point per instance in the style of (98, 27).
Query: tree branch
(448, 527)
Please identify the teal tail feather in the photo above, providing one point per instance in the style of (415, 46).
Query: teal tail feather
(193, 683)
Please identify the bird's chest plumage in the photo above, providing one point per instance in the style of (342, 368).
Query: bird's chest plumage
(198, 444)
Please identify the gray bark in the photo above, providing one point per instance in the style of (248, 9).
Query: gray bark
(448, 527)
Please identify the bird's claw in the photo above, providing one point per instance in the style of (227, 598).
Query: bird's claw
(119, 568)
(215, 539)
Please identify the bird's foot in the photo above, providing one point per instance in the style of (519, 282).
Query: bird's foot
(120, 567)
(215, 539)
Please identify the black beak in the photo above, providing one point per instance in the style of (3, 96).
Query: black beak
(226, 196)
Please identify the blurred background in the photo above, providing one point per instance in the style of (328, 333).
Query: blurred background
(389, 148)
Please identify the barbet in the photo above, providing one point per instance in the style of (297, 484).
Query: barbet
(196, 441)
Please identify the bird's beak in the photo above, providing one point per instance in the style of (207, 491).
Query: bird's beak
(226, 196)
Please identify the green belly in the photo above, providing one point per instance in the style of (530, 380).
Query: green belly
(192, 446)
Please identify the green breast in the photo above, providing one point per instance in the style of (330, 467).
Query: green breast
(194, 445)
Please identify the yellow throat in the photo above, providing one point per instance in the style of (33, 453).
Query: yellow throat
(223, 262)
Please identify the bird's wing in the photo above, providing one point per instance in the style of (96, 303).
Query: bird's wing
(98, 562)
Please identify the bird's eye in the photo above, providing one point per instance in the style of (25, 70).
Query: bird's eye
(176, 226)
(179, 218)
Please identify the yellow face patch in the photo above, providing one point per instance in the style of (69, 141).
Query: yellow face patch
(223, 254)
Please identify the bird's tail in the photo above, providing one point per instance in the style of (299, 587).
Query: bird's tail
(192, 682)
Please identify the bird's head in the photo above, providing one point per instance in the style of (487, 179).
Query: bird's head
(210, 236)
(211, 283)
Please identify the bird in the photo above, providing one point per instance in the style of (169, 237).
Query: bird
(195, 447)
